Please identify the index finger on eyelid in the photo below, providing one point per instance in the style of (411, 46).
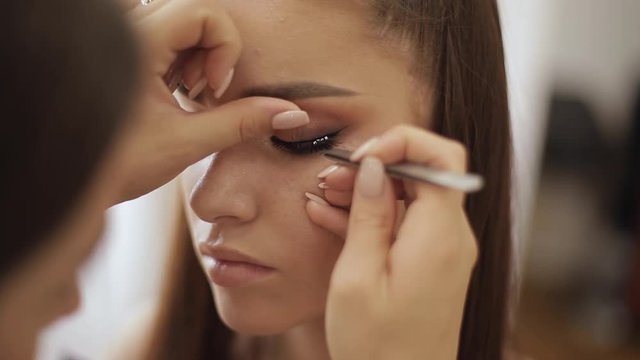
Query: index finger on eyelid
(210, 131)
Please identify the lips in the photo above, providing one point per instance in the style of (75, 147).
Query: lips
(232, 268)
(221, 253)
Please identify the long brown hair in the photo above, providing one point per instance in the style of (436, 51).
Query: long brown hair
(458, 47)
(70, 71)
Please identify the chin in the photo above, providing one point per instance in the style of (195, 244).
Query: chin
(259, 316)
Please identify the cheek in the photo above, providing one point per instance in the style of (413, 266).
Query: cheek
(307, 253)
(281, 232)
(306, 244)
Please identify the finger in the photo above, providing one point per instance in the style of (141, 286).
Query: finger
(180, 25)
(338, 198)
(221, 60)
(193, 70)
(342, 201)
(443, 245)
(210, 131)
(342, 179)
(414, 144)
(330, 218)
(371, 223)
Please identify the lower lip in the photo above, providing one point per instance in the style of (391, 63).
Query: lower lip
(237, 274)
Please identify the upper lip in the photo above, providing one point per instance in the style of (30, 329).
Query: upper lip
(222, 253)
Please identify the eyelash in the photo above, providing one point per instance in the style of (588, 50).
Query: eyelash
(307, 147)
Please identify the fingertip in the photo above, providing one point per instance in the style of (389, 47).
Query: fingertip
(290, 119)
(327, 171)
(220, 69)
(313, 209)
(327, 217)
(373, 203)
(270, 105)
(316, 199)
(193, 69)
(222, 88)
(197, 89)
(363, 149)
(371, 178)
(341, 179)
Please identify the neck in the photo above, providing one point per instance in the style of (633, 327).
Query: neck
(306, 341)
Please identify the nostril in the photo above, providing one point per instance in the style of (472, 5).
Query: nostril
(214, 204)
(226, 191)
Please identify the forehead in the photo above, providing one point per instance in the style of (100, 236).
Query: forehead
(335, 22)
(334, 41)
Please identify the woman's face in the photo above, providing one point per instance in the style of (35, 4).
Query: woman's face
(328, 57)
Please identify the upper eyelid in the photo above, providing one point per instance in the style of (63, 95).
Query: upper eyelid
(312, 138)
(306, 147)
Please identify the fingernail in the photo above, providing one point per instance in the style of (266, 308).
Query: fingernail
(326, 172)
(193, 93)
(173, 83)
(290, 120)
(316, 199)
(225, 84)
(363, 149)
(370, 182)
(323, 186)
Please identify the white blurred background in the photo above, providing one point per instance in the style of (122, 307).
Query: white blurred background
(576, 49)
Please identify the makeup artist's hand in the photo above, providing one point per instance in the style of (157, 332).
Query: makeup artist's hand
(195, 43)
(399, 286)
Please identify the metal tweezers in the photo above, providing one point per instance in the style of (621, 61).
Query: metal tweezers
(462, 182)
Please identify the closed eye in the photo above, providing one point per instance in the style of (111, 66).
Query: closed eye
(306, 147)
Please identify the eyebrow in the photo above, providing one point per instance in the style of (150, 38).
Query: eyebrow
(297, 91)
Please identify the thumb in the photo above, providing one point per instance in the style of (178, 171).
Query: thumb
(371, 224)
(212, 130)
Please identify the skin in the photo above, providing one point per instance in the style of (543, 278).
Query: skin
(253, 194)
(160, 141)
(402, 277)
(198, 38)
(257, 208)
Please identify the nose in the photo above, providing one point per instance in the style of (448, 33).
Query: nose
(226, 192)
